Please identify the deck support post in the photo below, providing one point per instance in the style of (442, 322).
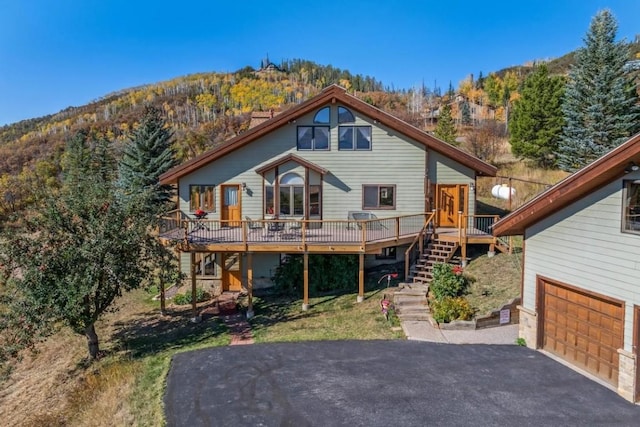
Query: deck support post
(305, 298)
(360, 278)
(250, 312)
(463, 249)
(194, 304)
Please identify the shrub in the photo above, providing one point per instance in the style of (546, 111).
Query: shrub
(184, 299)
(448, 281)
(326, 273)
(451, 308)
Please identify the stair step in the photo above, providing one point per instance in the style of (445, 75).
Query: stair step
(414, 317)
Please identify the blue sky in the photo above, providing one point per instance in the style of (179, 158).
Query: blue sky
(55, 54)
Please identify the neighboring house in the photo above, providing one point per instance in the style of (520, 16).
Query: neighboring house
(477, 112)
(581, 268)
(333, 175)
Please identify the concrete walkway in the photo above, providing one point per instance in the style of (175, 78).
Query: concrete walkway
(424, 331)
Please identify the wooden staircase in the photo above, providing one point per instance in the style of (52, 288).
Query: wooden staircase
(436, 252)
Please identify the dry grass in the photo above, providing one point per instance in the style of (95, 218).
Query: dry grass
(528, 182)
(57, 386)
(495, 281)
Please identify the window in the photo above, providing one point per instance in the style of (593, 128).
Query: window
(202, 197)
(205, 264)
(313, 137)
(378, 197)
(269, 201)
(354, 138)
(315, 200)
(387, 253)
(631, 207)
(345, 116)
(291, 195)
(323, 116)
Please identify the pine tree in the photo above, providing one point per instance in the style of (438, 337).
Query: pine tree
(536, 120)
(445, 129)
(600, 102)
(147, 156)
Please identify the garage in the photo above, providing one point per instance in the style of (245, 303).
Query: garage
(584, 328)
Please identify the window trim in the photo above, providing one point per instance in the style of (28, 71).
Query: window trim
(354, 145)
(313, 138)
(379, 186)
(625, 217)
(201, 197)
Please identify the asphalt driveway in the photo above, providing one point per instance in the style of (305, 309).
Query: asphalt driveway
(380, 383)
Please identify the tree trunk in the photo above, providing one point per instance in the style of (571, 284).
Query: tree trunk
(92, 341)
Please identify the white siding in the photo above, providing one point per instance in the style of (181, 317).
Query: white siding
(582, 245)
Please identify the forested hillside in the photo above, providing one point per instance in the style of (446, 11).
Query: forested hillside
(206, 109)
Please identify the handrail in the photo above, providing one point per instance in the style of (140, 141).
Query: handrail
(286, 230)
(420, 239)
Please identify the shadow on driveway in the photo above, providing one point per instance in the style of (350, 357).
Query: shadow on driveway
(384, 383)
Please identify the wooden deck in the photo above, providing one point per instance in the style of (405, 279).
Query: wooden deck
(292, 236)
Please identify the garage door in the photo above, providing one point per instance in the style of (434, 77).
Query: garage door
(583, 328)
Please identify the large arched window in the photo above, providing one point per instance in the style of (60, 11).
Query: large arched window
(291, 194)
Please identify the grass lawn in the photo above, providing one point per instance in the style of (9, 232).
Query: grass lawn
(330, 317)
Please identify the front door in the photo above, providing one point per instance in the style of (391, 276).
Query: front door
(231, 272)
(230, 210)
(451, 200)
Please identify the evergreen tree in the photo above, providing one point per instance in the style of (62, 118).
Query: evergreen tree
(600, 102)
(147, 156)
(445, 129)
(536, 120)
(465, 113)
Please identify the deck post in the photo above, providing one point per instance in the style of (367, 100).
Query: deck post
(463, 248)
(360, 278)
(250, 312)
(305, 298)
(194, 304)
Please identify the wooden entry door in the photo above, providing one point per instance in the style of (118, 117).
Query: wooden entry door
(231, 272)
(584, 328)
(231, 205)
(451, 200)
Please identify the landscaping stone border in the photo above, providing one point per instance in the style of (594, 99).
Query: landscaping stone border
(489, 320)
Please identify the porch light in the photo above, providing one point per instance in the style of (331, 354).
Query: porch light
(631, 168)
(244, 186)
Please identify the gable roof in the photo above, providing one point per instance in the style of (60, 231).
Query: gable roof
(606, 169)
(330, 95)
(291, 157)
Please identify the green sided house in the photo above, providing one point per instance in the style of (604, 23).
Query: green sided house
(581, 272)
(333, 175)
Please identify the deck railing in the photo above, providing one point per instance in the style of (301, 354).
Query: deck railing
(477, 224)
(178, 226)
(416, 248)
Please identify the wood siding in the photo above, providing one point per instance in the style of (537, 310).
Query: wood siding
(582, 245)
(393, 160)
